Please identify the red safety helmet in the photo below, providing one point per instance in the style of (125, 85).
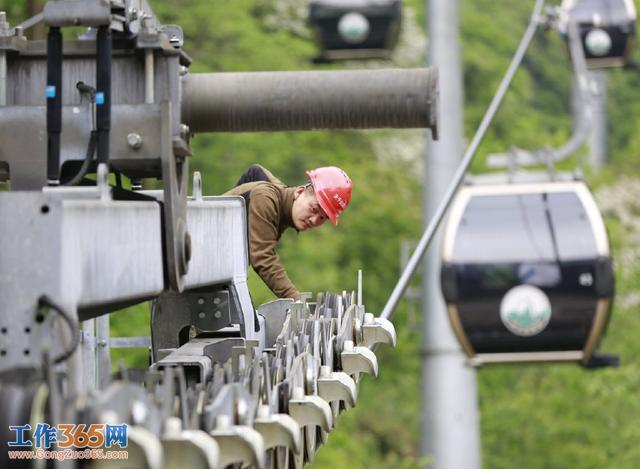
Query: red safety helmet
(333, 190)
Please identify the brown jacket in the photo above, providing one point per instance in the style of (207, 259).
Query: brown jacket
(268, 214)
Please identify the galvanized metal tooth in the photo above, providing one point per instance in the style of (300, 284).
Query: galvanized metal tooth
(144, 451)
(358, 360)
(310, 410)
(285, 399)
(188, 448)
(377, 331)
(337, 386)
(238, 444)
(278, 430)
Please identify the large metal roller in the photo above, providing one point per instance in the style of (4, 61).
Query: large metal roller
(271, 101)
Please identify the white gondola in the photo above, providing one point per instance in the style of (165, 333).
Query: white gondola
(607, 29)
(355, 29)
(527, 273)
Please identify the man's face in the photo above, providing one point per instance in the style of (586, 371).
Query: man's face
(306, 212)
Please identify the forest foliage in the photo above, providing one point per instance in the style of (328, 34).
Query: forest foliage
(534, 416)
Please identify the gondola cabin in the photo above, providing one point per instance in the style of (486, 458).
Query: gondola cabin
(527, 273)
(607, 29)
(355, 29)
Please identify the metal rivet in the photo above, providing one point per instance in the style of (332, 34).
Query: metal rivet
(217, 314)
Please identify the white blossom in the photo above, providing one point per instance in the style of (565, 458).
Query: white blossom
(621, 201)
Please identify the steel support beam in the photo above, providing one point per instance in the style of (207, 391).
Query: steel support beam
(272, 101)
(449, 395)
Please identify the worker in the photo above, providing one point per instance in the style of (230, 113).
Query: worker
(272, 207)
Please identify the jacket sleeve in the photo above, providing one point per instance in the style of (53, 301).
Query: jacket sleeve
(263, 237)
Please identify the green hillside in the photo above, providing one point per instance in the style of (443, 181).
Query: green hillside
(534, 416)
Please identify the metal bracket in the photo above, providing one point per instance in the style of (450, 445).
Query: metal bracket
(278, 430)
(199, 363)
(358, 360)
(337, 386)
(175, 171)
(310, 410)
(77, 13)
(238, 444)
(188, 448)
(274, 314)
(211, 311)
(377, 331)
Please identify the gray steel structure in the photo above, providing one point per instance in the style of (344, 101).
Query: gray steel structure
(450, 415)
(276, 378)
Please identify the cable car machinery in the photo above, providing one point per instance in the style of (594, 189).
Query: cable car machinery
(271, 381)
(228, 384)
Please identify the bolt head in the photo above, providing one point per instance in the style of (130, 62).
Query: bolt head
(134, 140)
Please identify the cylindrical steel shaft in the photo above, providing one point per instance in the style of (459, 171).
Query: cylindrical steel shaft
(272, 101)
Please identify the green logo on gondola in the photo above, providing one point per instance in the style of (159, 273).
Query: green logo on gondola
(353, 28)
(525, 310)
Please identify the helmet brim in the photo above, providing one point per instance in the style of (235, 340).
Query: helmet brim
(326, 207)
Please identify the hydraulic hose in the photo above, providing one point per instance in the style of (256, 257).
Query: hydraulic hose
(71, 324)
(54, 103)
(103, 94)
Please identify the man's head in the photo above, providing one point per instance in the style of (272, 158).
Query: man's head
(326, 195)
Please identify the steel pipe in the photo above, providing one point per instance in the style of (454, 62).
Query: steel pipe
(273, 101)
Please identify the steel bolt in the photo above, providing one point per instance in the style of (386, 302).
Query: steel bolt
(201, 315)
(134, 140)
(200, 301)
(216, 301)
(217, 314)
(184, 131)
